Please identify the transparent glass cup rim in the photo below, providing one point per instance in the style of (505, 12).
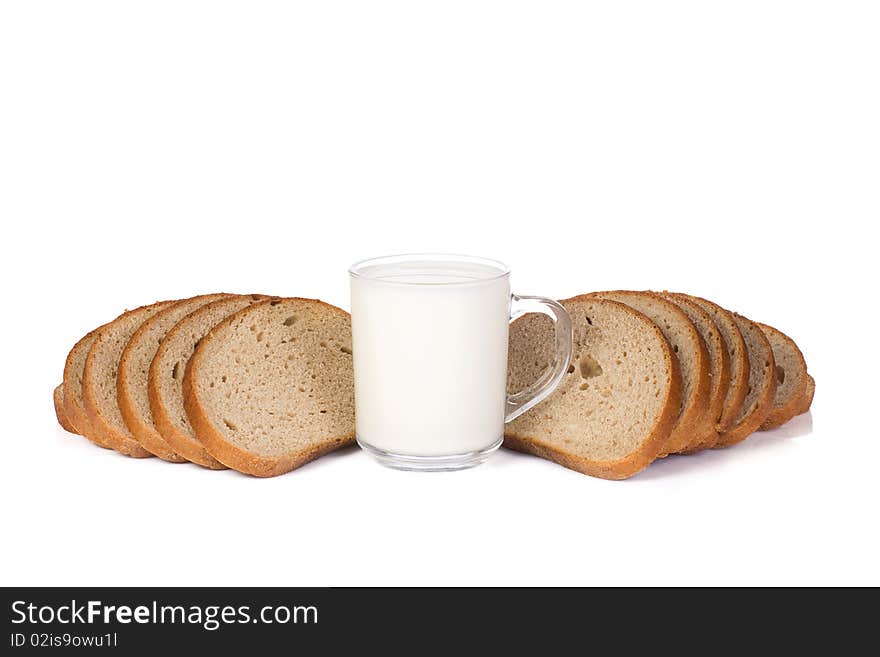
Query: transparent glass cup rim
(368, 269)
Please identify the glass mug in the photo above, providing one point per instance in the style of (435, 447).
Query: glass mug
(429, 336)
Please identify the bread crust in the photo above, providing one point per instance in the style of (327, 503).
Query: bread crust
(650, 447)
(719, 380)
(75, 412)
(739, 368)
(185, 445)
(807, 399)
(227, 453)
(191, 450)
(148, 437)
(693, 421)
(781, 414)
(100, 425)
(748, 424)
(58, 400)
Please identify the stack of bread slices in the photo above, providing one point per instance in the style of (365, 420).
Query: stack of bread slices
(254, 383)
(652, 374)
(265, 384)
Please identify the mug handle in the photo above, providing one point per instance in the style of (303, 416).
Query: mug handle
(519, 402)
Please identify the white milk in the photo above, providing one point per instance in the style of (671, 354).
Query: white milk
(430, 356)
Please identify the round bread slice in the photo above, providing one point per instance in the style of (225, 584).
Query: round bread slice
(719, 367)
(791, 377)
(72, 398)
(807, 399)
(762, 385)
(165, 382)
(739, 361)
(99, 380)
(58, 399)
(272, 386)
(134, 368)
(694, 422)
(612, 414)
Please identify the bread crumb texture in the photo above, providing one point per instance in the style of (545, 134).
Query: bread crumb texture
(614, 391)
(277, 377)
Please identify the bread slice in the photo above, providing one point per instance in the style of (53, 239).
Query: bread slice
(807, 399)
(613, 412)
(719, 367)
(694, 421)
(134, 368)
(762, 385)
(165, 382)
(272, 386)
(791, 377)
(72, 396)
(58, 399)
(739, 361)
(99, 380)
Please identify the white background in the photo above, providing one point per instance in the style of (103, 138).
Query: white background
(157, 150)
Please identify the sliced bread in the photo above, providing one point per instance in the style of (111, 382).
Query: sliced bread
(791, 377)
(807, 399)
(99, 380)
(165, 383)
(762, 385)
(694, 421)
(719, 367)
(272, 386)
(613, 412)
(739, 361)
(134, 369)
(72, 398)
(58, 399)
